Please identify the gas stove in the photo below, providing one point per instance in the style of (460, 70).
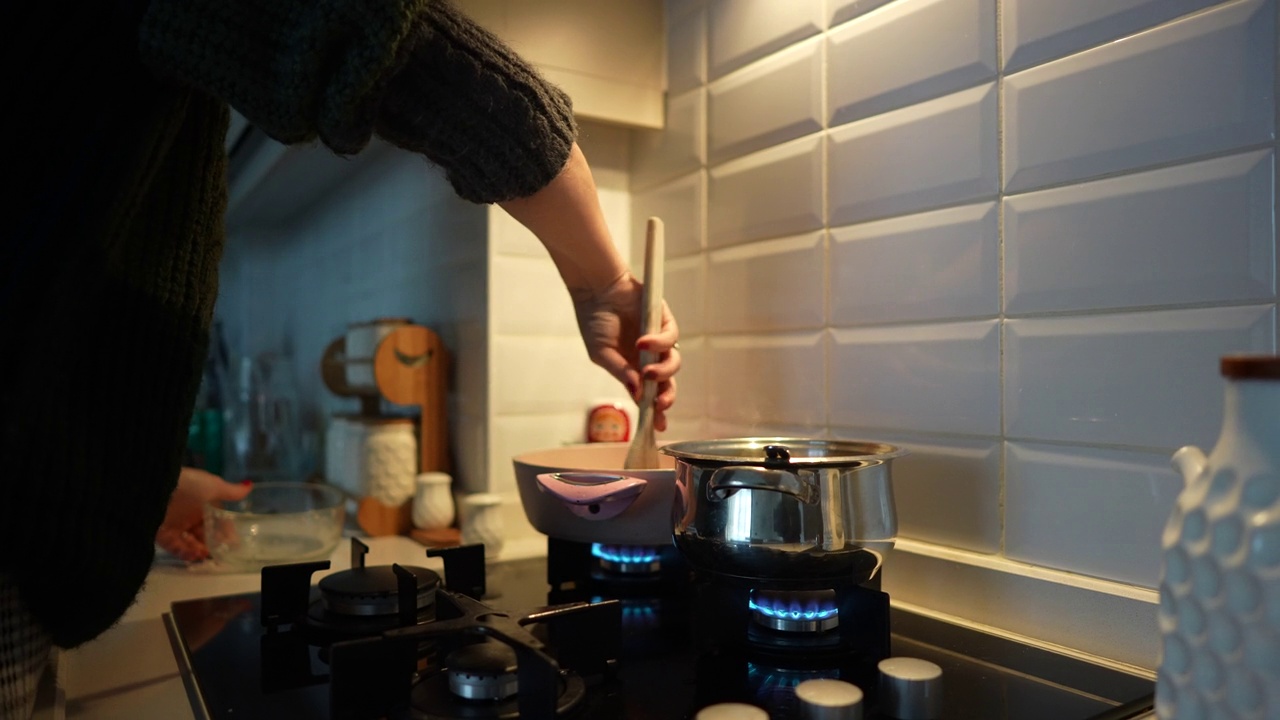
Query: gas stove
(600, 632)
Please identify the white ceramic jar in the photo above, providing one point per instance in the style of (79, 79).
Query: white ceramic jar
(390, 460)
(1220, 581)
(433, 507)
(482, 522)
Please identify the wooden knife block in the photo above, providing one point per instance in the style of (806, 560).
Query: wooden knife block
(410, 367)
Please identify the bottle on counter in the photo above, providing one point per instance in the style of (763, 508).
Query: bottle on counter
(1220, 580)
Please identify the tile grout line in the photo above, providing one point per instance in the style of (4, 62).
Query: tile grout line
(1002, 501)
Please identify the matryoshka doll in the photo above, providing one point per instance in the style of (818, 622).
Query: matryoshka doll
(608, 422)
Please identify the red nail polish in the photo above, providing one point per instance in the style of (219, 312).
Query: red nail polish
(247, 482)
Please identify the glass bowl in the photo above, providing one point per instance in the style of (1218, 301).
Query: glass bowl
(275, 524)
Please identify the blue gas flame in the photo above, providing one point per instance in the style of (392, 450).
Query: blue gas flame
(794, 608)
(625, 554)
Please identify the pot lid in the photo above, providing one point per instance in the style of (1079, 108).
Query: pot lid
(781, 451)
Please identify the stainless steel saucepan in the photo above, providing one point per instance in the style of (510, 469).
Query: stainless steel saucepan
(785, 509)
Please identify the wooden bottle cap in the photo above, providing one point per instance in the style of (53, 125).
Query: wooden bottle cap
(1251, 367)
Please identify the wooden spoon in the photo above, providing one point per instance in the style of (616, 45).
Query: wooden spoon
(643, 452)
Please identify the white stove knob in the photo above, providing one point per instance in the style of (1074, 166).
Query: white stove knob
(829, 700)
(731, 711)
(910, 689)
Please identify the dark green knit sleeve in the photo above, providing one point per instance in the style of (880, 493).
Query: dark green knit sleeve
(417, 72)
(471, 105)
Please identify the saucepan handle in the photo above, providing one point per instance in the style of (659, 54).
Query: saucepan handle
(724, 481)
(593, 496)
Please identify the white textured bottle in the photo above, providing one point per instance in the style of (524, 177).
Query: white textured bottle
(1220, 583)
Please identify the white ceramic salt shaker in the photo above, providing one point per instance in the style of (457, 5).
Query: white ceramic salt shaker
(1220, 580)
(482, 522)
(390, 460)
(433, 507)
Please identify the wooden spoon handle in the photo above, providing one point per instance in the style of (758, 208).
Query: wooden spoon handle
(643, 452)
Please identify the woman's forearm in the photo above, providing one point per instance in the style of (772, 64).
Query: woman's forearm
(566, 217)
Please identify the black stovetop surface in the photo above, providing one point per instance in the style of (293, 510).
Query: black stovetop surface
(668, 668)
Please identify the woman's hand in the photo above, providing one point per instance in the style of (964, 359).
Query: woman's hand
(610, 323)
(182, 532)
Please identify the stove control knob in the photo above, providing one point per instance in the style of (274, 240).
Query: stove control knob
(910, 689)
(829, 700)
(731, 711)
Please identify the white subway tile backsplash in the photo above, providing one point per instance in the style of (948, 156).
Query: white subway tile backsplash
(742, 31)
(680, 205)
(528, 298)
(1038, 30)
(674, 11)
(690, 410)
(930, 266)
(771, 193)
(687, 52)
(766, 379)
(1200, 85)
(1145, 379)
(1201, 232)
(731, 429)
(937, 153)
(685, 290)
(947, 490)
(1088, 510)
(767, 286)
(543, 374)
(875, 64)
(678, 149)
(770, 102)
(843, 10)
(926, 378)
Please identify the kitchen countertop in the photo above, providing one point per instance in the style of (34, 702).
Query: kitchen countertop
(129, 672)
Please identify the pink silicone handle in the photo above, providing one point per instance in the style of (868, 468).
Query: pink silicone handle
(594, 496)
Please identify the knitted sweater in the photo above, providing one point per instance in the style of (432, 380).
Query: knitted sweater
(108, 267)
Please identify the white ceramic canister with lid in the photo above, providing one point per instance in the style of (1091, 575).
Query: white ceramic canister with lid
(389, 460)
(1220, 580)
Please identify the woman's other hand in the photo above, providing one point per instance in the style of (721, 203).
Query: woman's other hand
(182, 532)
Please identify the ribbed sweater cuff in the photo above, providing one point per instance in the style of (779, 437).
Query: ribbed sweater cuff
(471, 105)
